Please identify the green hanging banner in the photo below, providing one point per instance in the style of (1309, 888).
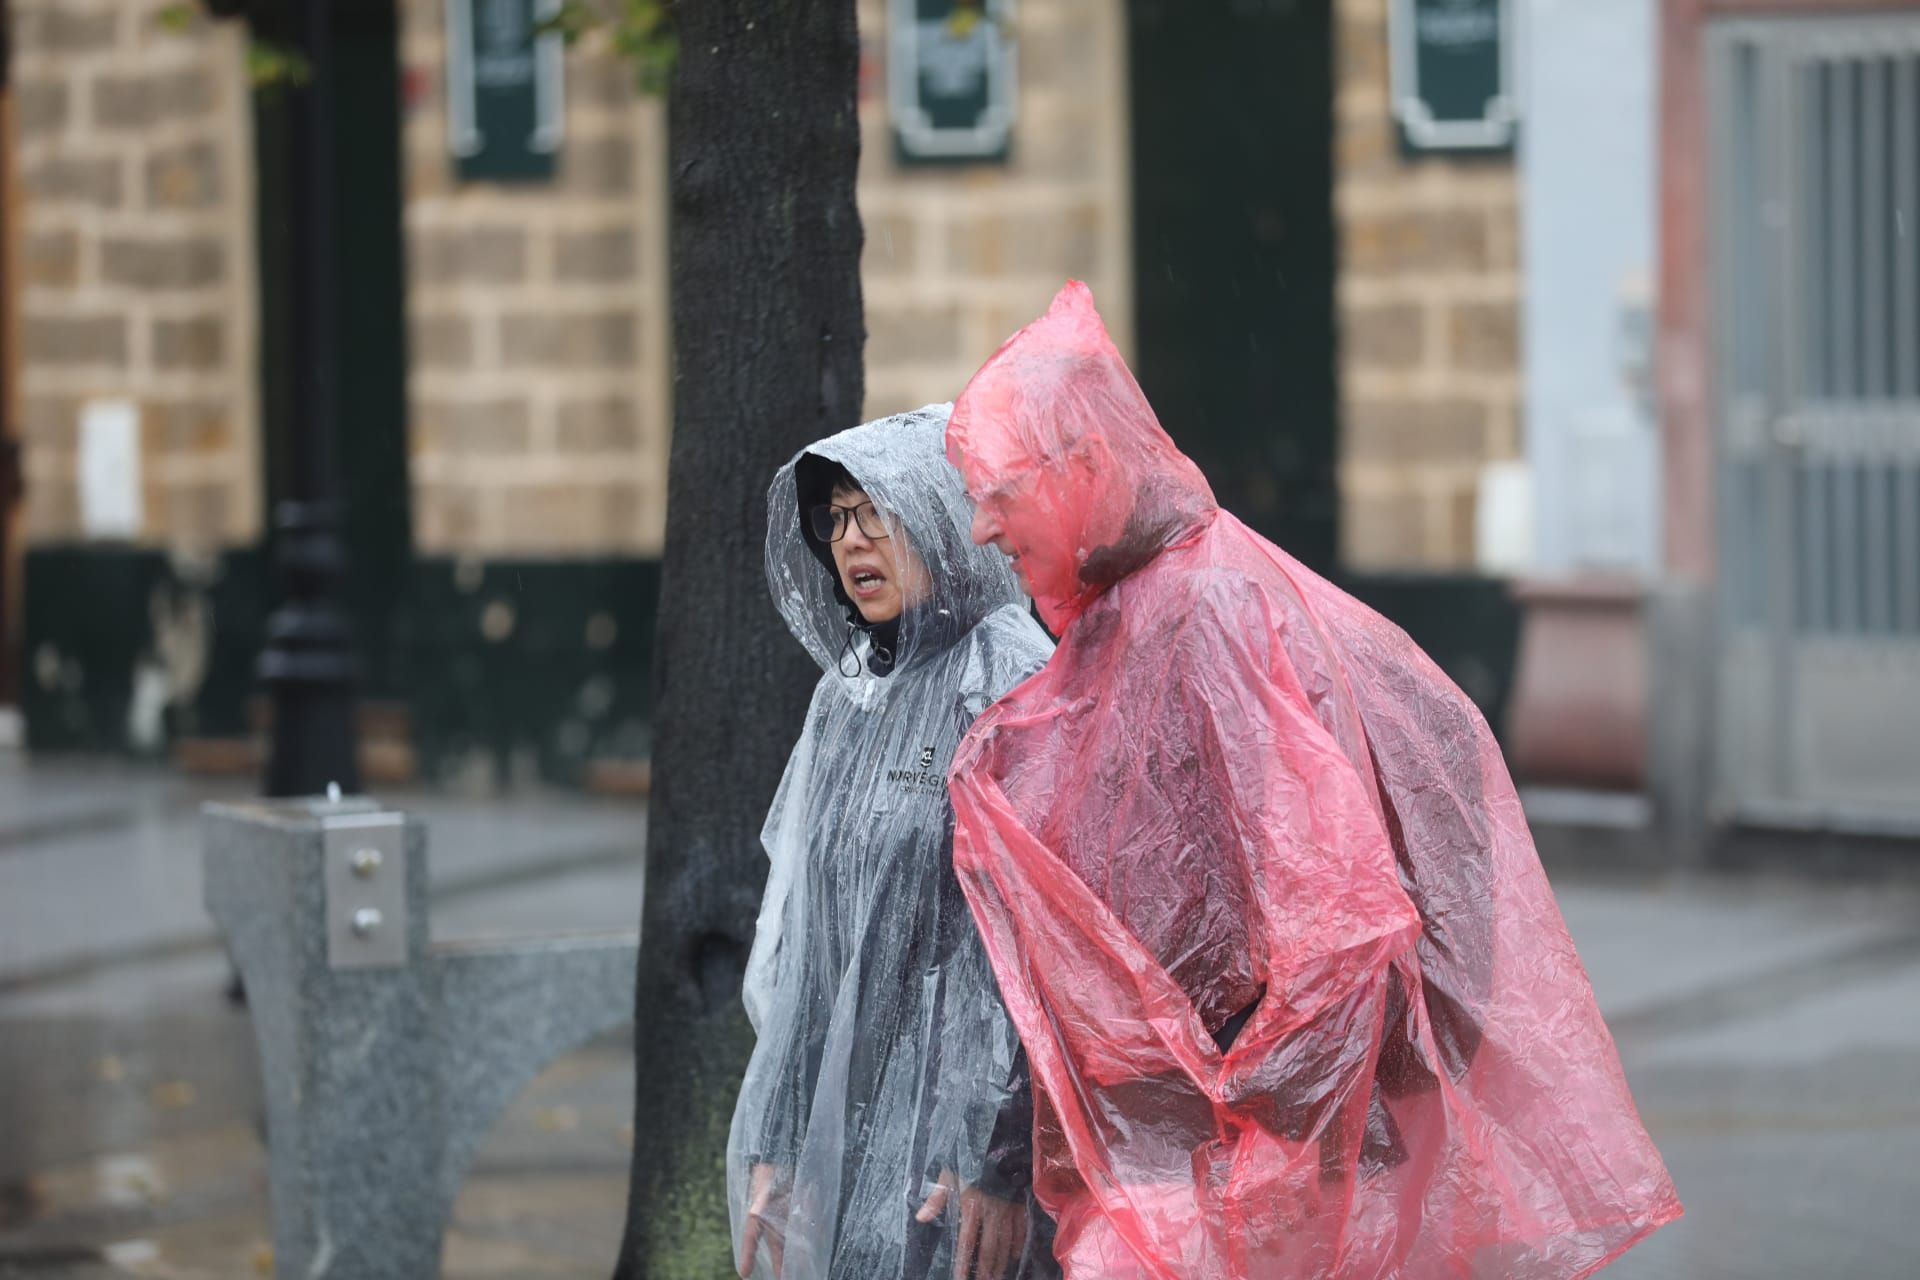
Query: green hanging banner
(505, 97)
(950, 79)
(1452, 71)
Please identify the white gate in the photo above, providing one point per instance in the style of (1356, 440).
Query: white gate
(1815, 235)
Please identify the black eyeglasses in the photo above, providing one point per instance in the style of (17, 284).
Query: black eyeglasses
(830, 521)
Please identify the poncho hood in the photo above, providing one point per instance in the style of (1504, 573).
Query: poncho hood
(1057, 441)
(899, 462)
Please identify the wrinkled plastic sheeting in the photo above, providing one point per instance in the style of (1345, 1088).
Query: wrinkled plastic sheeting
(1234, 786)
(883, 1056)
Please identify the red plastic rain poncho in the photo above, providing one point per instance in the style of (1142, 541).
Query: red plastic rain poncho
(1236, 788)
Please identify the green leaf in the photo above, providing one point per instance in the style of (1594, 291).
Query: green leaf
(641, 32)
(271, 65)
(177, 18)
(573, 19)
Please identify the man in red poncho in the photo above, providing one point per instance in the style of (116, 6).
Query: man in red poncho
(1295, 994)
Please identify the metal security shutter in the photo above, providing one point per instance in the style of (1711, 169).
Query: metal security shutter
(1815, 146)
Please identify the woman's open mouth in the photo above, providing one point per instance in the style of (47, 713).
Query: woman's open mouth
(866, 582)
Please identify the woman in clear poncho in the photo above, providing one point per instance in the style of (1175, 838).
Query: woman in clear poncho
(882, 1126)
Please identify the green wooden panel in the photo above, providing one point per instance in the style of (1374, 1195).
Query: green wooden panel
(91, 623)
(521, 667)
(505, 103)
(951, 83)
(531, 666)
(1452, 74)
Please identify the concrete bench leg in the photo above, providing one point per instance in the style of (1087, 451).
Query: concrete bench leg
(385, 1060)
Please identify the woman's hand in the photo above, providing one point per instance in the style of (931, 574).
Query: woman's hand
(992, 1231)
(766, 1216)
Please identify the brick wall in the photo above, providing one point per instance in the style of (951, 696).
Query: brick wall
(1429, 295)
(538, 318)
(134, 256)
(958, 258)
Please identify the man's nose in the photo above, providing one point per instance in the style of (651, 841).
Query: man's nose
(985, 527)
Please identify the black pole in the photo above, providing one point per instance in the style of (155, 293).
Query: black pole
(9, 447)
(308, 664)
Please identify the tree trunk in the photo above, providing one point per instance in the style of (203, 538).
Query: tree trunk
(767, 334)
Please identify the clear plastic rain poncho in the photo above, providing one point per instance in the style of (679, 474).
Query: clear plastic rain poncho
(1296, 995)
(884, 1058)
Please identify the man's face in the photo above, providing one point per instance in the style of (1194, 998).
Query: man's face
(989, 532)
(880, 574)
(1006, 518)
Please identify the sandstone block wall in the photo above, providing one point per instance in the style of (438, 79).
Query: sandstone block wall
(1428, 300)
(539, 333)
(134, 259)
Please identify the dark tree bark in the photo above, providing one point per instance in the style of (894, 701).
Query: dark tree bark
(767, 336)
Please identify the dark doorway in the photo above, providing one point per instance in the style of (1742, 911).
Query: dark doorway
(1234, 252)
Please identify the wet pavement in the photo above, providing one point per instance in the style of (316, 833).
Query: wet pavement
(130, 1106)
(1771, 1032)
(1770, 1027)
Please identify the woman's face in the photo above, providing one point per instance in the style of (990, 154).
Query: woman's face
(882, 575)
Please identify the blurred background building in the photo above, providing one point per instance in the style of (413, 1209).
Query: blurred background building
(1579, 338)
